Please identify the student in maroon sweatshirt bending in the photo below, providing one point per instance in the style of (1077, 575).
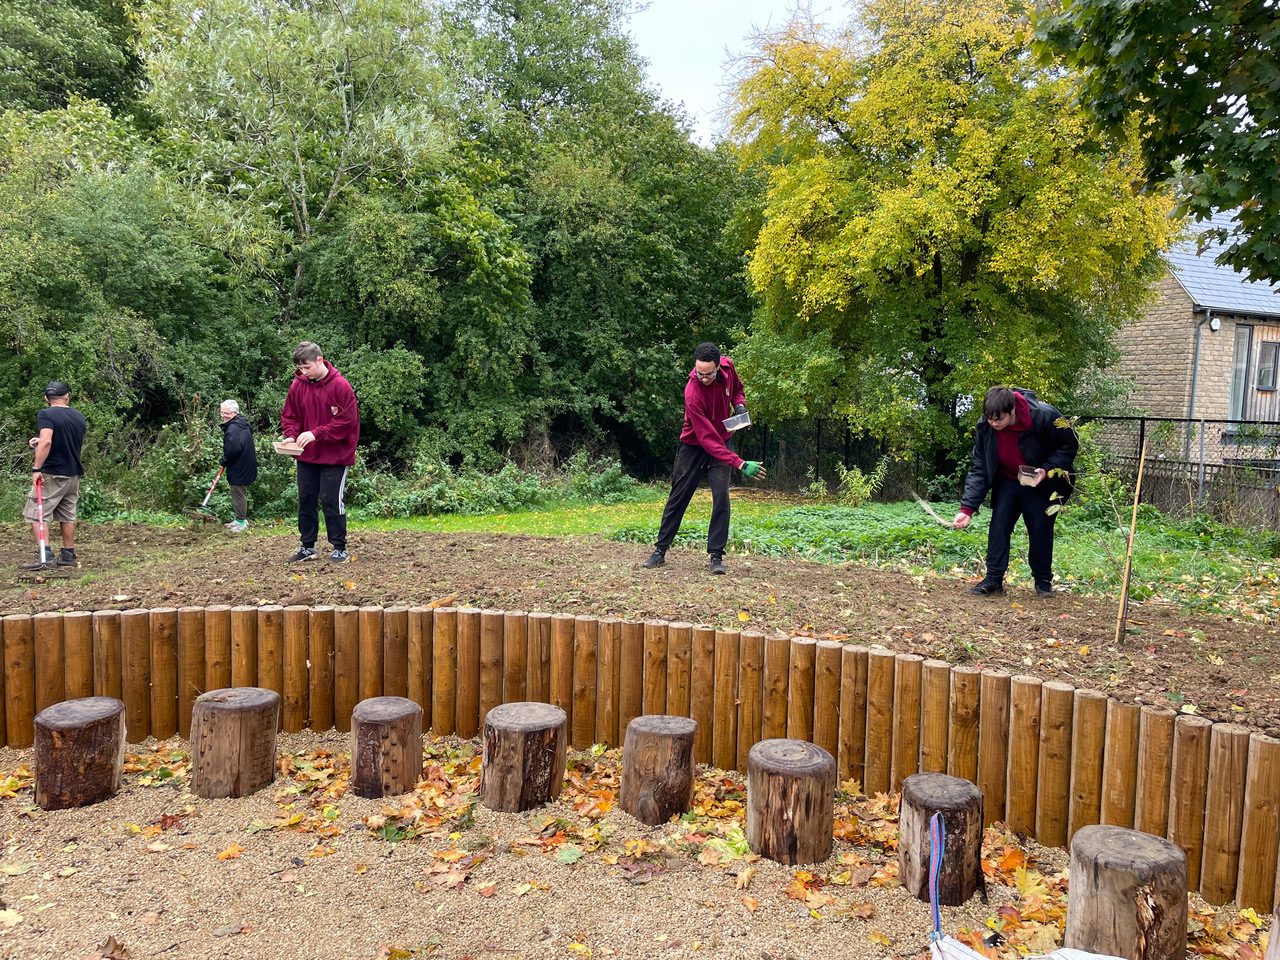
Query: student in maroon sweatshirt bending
(1017, 430)
(320, 413)
(712, 395)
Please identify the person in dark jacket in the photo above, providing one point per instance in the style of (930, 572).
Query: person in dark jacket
(712, 394)
(1024, 453)
(241, 461)
(321, 413)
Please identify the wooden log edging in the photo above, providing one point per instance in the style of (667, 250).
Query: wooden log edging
(1050, 759)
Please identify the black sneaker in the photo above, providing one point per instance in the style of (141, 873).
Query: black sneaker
(988, 586)
(1044, 588)
(656, 559)
(339, 556)
(304, 553)
(717, 565)
(67, 558)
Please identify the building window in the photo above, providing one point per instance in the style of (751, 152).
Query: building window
(1240, 371)
(1268, 352)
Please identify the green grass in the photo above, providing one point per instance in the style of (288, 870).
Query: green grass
(571, 518)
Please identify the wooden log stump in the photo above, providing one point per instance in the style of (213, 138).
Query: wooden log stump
(960, 803)
(791, 787)
(386, 746)
(233, 741)
(1128, 895)
(524, 755)
(79, 752)
(657, 768)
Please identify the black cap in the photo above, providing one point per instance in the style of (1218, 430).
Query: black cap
(56, 388)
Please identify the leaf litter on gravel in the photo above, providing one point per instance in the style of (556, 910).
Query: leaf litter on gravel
(1028, 885)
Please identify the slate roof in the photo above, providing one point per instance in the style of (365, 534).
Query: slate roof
(1221, 288)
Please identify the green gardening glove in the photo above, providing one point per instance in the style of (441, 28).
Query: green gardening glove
(750, 468)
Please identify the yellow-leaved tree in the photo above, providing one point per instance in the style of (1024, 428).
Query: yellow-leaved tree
(939, 217)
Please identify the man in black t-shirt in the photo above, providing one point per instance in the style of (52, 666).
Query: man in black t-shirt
(57, 466)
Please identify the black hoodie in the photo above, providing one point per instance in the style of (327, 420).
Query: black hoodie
(238, 455)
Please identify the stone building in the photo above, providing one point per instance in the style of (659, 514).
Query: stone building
(1209, 347)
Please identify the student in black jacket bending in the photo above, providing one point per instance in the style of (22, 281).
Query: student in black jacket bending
(240, 459)
(1023, 452)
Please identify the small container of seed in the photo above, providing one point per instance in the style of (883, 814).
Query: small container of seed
(1028, 476)
(737, 423)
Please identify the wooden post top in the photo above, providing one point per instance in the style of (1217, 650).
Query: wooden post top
(525, 715)
(1121, 848)
(381, 709)
(239, 697)
(663, 724)
(791, 757)
(938, 791)
(71, 714)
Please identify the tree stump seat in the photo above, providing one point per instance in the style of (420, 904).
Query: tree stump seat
(233, 741)
(657, 768)
(524, 757)
(791, 789)
(960, 803)
(1128, 895)
(386, 746)
(79, 752)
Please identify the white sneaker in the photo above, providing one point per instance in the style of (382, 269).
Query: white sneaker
(238, 526)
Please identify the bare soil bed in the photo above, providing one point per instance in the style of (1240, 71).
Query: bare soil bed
(1226, 668)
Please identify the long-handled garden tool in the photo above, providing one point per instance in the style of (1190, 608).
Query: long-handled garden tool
(42, 534)
(42, 528)
(199, 513)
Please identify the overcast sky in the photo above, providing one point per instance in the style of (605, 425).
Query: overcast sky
(685, 42)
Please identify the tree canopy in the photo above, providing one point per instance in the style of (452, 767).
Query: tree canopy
(1203, 78)
(939, 217)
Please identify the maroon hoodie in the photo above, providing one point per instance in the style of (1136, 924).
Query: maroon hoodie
(706, 405)
(327, 407)
(1008, 442)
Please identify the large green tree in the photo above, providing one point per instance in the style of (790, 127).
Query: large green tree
(53, 50)
(274, 113)
(939, 217)
(622, 215)
(1203, 78)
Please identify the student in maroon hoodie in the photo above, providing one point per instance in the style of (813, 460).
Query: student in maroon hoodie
(712, 395)
(320, 412)
(1017, 430)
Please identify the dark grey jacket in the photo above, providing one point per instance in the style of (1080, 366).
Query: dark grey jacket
(238, 455)
(1045, 445)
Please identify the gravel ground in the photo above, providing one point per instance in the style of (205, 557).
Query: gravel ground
(73, 879)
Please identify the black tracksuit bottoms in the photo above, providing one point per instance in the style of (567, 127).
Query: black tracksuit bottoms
(692, 464)
(323, 482)
(1010, 500)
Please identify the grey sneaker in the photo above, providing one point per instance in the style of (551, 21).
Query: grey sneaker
(656, 559)
(717, 565)
(238, 526)
(339, 556)
(304, 553)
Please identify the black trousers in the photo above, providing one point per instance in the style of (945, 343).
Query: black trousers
(1010, 500)
(692, 464)
(323, 482)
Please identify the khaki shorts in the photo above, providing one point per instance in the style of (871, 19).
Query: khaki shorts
(60, 496)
